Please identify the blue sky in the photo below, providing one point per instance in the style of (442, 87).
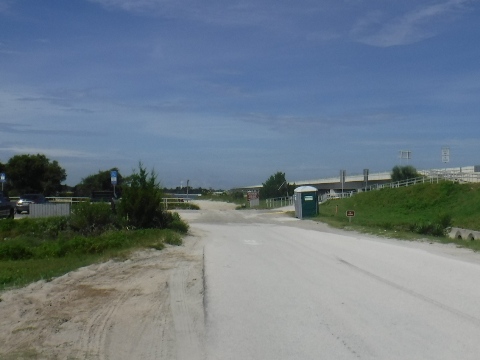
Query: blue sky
(226, 93)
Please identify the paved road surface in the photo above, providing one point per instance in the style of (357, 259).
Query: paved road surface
(281, 288)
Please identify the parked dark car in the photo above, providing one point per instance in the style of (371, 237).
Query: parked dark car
(7, 209)
(23, 204)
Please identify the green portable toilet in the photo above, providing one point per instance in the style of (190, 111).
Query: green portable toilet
(306, 201)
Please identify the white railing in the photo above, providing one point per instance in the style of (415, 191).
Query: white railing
(65, 199)
(332, 196)
(279, 202)
(176, 200)
(461, 177)
(430, 178)
(408, 182)
(59, 199)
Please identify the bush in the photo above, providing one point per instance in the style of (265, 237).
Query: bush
(400, 173)
(14, 251)
(437, 228)
(174, 222)
(141, 203)
(92, 218)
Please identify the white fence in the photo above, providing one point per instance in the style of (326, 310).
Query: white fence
(279, 202)
(429, 178)
(335, 195)
(168, 201)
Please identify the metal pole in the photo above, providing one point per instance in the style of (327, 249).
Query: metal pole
(188, 200)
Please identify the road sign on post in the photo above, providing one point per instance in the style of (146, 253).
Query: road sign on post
(2, 179)
(350, 214)
(113, 179)
(445, 154)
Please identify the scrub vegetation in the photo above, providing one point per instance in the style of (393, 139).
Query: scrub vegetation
(34, 249)
(409, 212)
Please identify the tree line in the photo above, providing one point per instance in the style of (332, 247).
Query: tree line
(38, 174)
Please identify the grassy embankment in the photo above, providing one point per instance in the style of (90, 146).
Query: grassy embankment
(413, 212)
(35, 249)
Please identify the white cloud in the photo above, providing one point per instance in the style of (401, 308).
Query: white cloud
(378, 29)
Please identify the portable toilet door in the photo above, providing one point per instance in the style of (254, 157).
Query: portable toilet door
(306, 201)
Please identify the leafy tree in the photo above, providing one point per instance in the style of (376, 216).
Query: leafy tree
(400, 173)
(141, 203)
(34, 173)
(98, 182)
(276, 186)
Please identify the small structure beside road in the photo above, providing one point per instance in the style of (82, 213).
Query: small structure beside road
(306, 201)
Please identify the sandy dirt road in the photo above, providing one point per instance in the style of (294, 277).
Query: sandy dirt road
(151, 306)
(147, 307)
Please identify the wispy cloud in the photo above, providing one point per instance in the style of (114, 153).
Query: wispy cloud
(206, 11)
(303, 123)
(50, 152)
(265, 13)
(10, 128)
(63, 103)
(4, 48)
(379, 29)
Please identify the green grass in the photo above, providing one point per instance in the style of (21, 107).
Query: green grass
(36, 249)
(184, 206)
(410, 212)
(26, 259)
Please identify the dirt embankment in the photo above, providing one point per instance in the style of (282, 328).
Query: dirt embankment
(147, 307)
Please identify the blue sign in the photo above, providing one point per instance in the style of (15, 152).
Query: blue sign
(2, 177)
(113, 177)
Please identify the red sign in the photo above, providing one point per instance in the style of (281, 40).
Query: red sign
(350, 213)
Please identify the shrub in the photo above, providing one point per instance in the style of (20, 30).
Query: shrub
(141, 203)
(14, 251)
(429, 228)
(400, 173)
(92, 218)
(174, 222)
